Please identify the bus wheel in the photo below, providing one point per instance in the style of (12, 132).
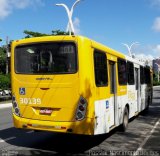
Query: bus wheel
(125, 120)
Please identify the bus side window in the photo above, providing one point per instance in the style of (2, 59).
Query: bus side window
(130, 73)
(147, 75)
(122, 72)
(100, 68)
(142, 77)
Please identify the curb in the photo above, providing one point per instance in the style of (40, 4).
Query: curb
(156, 86)
(8, 105)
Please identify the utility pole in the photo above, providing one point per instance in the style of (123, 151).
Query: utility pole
(7, 54)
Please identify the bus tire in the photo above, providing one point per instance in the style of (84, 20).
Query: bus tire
(124, 125)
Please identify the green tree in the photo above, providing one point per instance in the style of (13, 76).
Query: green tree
(155, 79)
(29, 34)
(5, 82)
(2, 60)
(59, 32)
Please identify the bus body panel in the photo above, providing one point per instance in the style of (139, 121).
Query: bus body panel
(60, 94)
(105, 117)
(85, 127)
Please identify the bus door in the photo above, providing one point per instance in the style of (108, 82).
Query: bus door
(137, 89)
(112, 106)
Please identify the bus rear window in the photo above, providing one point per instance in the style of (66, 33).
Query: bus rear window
(46, 58)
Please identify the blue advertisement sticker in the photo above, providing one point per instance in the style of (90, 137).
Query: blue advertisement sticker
(107, 104)
(22, 91)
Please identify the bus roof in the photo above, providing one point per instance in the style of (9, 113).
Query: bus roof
(67, 38)
(75, 38)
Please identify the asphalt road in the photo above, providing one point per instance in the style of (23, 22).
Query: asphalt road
(141, 138)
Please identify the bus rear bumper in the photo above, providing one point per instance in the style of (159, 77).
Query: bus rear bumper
(85, 126)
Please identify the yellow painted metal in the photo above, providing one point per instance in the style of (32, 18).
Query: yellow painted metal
(63, 91)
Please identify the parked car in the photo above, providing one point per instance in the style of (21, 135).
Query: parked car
(5, 92)
(2, 93)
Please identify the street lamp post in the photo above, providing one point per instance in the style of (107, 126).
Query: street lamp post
(130, 47)
(70, 26)
(71, 13)
(7, 56)
(158, 69)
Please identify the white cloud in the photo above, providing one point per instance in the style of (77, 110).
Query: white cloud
(156, 25)
(147, 59)
(20, 4)
(156, 49)
(155, 3)
(7, 6)
(144, 57)
(76, 24)
(147, 52)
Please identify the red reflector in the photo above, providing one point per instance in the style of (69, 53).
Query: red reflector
(29, 124)
(81, 108)
(63, 127)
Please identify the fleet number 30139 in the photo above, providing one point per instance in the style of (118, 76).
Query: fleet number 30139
(30, 100)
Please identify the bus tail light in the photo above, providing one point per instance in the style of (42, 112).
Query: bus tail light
(15, 106)
(81, 109)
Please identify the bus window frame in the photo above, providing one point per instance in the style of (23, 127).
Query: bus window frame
(100, 52)
(142, 76)
(146, 74)
(41, 42)
(128, 73)
(125, 83)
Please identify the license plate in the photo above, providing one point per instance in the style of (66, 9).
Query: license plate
(46, 111)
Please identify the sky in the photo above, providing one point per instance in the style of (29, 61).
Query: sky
(110, 22)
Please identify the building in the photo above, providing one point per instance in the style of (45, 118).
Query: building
(156, 65)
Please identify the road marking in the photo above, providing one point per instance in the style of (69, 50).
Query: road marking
(146, 139)
(5, 105)
(30, 132)
(11, 138)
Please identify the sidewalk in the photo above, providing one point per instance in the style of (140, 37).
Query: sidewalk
(5, 104)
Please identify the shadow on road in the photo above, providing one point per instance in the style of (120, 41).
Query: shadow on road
(56, 143)
(47, 143)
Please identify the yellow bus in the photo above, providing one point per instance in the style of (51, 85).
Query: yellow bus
(72, 84)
